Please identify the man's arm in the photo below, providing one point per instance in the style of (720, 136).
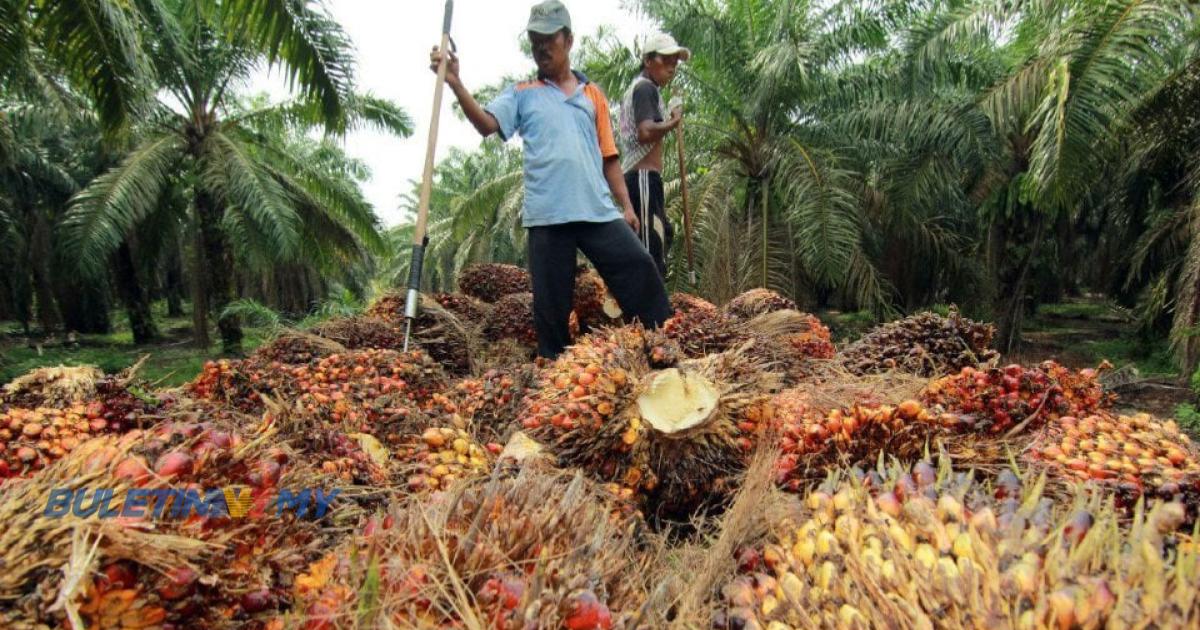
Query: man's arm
(649, 131)
(616, 184)
(484, 122)
(650, 124)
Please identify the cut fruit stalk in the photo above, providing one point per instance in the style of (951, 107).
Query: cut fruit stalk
(674, 402)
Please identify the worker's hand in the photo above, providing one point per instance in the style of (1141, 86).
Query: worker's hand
(676, 107)
(435, 57)
(632, 220)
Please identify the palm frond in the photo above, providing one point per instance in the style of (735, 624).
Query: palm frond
(244, 185)
(306, 41)
(97, 42)
(104, 212)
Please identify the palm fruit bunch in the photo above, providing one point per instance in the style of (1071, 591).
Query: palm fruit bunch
(236, 383)
(936, 549)
(535, 551)
(996, 399)
(52, 387)
(672, 434)
(594, 305)
(702, 331)
(757, 302)
(796, 343)
(814, 340)
(167, 566)
(925, 344)
(295, 348)
(251, 558)
(436, 329)
(488, 282)
(512, 318)
(686, 303)
(810, 439)
(1139, 451)
(31, 439)
(379, 391)
(489, 404)
(443, 455)
(359, 333)
(470, 312)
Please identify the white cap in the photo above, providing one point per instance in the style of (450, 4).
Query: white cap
(664, 44)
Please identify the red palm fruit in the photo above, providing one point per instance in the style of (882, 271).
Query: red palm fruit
(134, 469)
(173, 463)
(587, 613)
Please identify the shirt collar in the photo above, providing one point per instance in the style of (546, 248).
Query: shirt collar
(583, 80)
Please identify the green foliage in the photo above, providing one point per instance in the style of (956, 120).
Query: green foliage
(1188, 417)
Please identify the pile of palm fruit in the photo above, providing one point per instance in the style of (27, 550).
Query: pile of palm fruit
(732, 470)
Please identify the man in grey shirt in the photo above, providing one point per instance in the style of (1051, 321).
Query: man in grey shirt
(642, 125)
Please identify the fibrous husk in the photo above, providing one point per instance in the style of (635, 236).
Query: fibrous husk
(489, 282)
(926, 344)
(936, 549)
(360, 333)
(757, 302)
(672, 435)
(52, 386)
(541, 550)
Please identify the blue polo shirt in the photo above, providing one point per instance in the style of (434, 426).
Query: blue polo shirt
(566, 140)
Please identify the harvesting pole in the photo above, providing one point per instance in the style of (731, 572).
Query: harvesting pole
(687, 215)
(420, 238)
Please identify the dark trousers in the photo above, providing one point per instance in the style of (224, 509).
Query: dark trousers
(619, 258)
(649, 202)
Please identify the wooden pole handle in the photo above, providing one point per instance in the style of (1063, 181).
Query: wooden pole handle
(687, 215)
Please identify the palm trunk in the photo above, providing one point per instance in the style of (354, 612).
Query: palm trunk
(135, 296)
(1012, 282)
(199, 290)
(766, 242)
(40, 251)
(220, 270)
(174, 284)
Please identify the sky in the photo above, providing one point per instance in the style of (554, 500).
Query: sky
(393, 39)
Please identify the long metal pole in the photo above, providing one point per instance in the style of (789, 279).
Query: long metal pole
(420, 239)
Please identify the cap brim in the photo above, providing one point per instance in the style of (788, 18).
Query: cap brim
(683, 53)
(544, 28)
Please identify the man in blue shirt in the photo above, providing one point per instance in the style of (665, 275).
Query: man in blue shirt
(572, 174)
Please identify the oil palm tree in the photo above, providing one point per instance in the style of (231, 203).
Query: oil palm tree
(1071, 74)
(251, 198)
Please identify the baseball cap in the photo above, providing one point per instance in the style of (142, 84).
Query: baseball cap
(548, 17)
(664, 44)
